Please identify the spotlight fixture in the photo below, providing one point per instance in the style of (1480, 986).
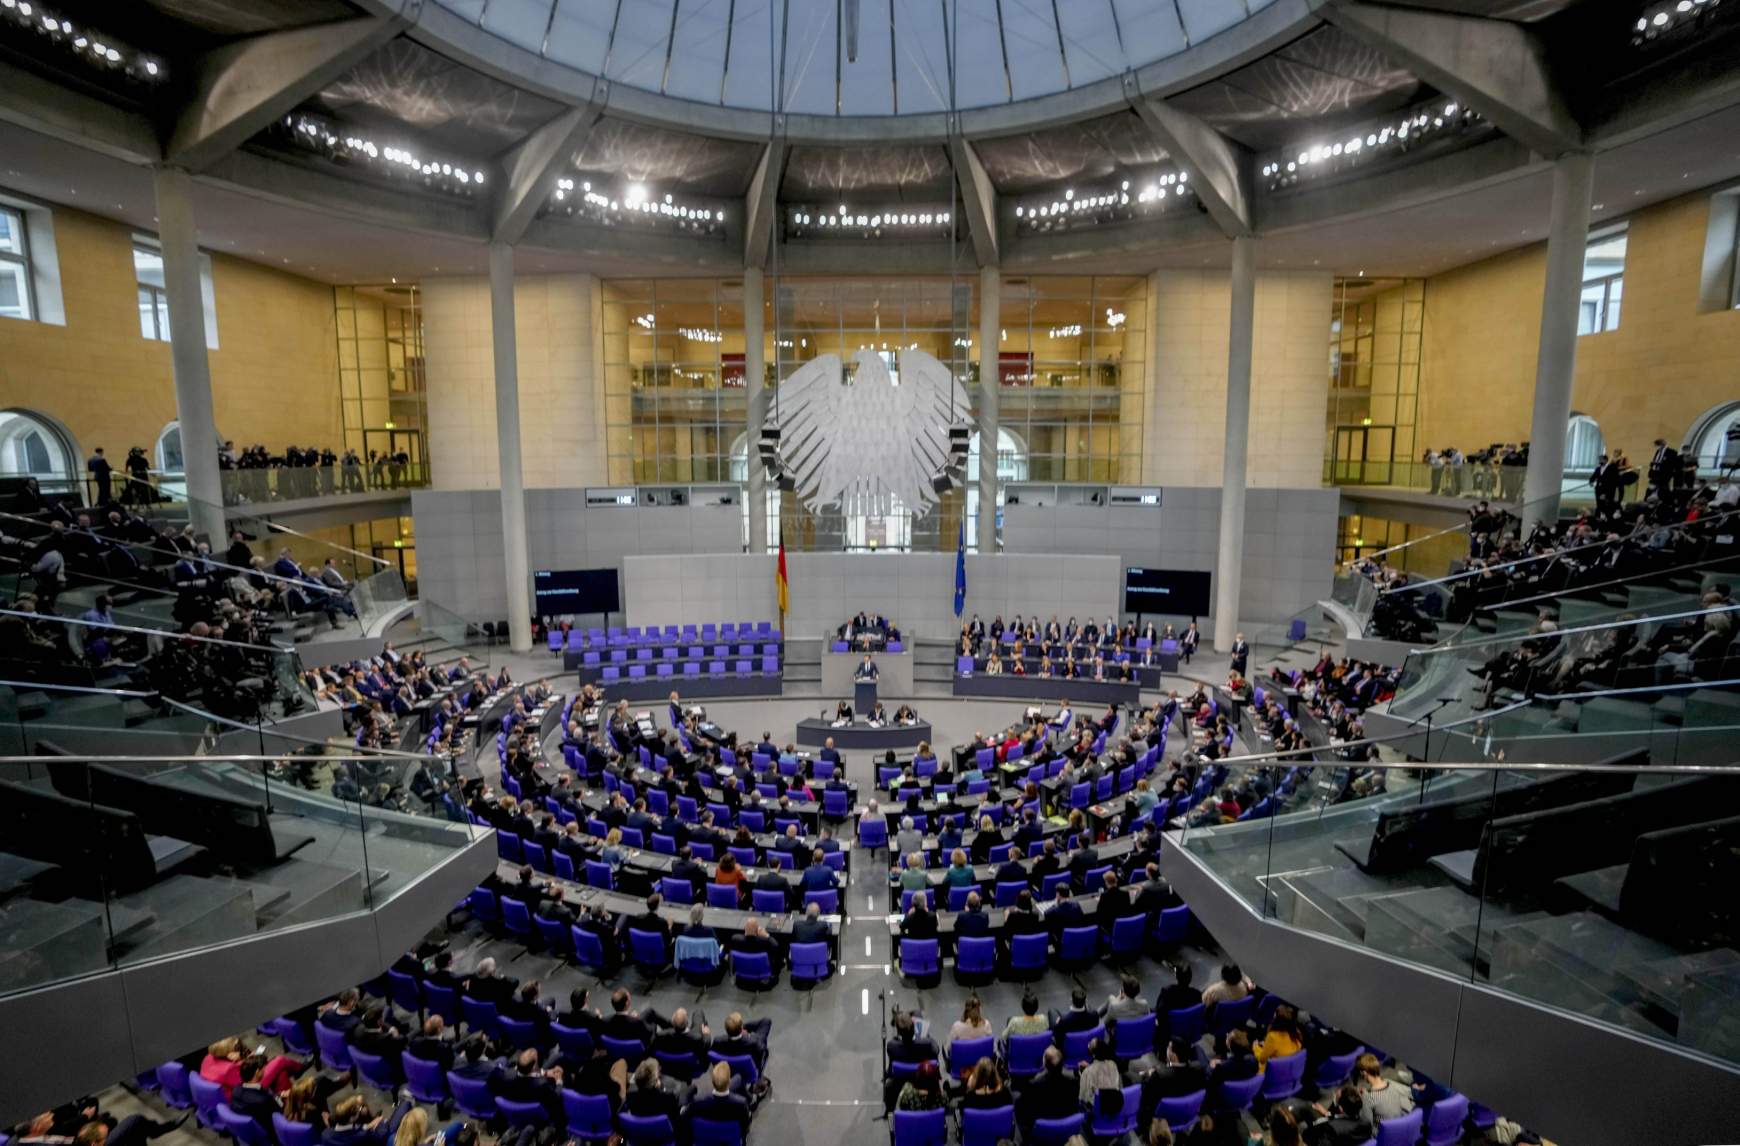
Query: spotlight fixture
(339, 144)
(843, 221)
(1431, 121)
(95, 50)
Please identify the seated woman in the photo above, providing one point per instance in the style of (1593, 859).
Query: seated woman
(843, 712)
(878, 716)
(994, 666)
(1045, 669)
(905, 714)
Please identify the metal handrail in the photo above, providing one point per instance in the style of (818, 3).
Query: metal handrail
(203, 714)
(1514, 638)
(166, 634)
(1414, 586)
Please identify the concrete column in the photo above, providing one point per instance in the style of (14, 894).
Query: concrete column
(1238, 436)
(1555, 367)
(193, 408)
(990, 397)
(507, 433)
(754, 371)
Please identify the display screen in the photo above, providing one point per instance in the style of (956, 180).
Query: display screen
(1175, 592)
(556, 592)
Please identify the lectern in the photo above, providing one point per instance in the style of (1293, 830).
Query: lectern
(864, 698)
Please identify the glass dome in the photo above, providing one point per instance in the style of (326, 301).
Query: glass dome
(855, 58)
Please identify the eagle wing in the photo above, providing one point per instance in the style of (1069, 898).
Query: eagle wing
(807, 405)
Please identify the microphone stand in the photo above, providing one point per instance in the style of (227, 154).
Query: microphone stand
(882, 999)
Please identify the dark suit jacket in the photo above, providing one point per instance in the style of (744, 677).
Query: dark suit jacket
(810, 931)
(919, 925)
(972, 923)
(721, 1108)
(255, 1102)
(1049, 1095)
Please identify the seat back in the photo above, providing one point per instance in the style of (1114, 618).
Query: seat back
(752, 965)
(964, 1054)
(633, 1050)
(809, 961)
(1133, 1037)
(1231, 1014)
(918, 957)
(1239, 1093)
(521, 1113)
(1057, 1131)
(239, 1126)
(1028, 952)
(588, 1115)
(976, 955)
(742, 1065)
(638, 1131)
(206, 1096)
(291, 1133)
(1024, 1055)
(647, 948)
(1075, 1044)
(172, 1083)
(375, 1069)
(921, 1127)
(706, 1132)
(1403, 1131)
(1112, 1125)
(334, 1049)
(1283, 1076)
(1443, 1123)
(478, 1014)
(1180, 1113)
(1185, 1023)
(767, 900)
(722, 895)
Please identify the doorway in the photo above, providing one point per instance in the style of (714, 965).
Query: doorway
(1364, 455)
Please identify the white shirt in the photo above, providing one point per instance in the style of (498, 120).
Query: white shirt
(1727, 496)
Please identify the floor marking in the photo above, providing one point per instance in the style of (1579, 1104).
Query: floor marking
(866, 946)
(864, 1000)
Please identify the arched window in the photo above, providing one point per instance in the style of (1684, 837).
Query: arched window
(1584, 442)
(34, 445)
(1715, 438)
(168, 449)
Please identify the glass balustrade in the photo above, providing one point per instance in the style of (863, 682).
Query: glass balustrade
(1602, 887)
(106, 861)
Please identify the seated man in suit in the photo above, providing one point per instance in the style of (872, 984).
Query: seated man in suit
(435, 1043)
(718, 1102)
(1011, 869)
(811, 928)
(529, 1083)
(250, 1099)
(1114, 903)
(973, 921)
(687, 1035)
(1022, 919)
(1052, 1094)
(818, 876)
(648, 920)
(1180, 1074)
(1064, 914)
(627, 1023)
(744, 1037)
(829, 753)
(1077, 1018)
(772, 879)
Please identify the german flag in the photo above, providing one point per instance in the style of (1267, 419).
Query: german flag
(780, 580)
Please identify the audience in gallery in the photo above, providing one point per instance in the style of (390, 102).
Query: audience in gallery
(867, 631)
(1496, 471)
(1070, 650)
(1674, 525)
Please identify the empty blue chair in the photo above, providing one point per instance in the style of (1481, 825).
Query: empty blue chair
(1180, 1113)
(1127, 937)
(426, 1081)
(1008, 892)
(918, 958)
(1049, 885)
(589, 950)
(1335, 1070)
(1075, 1044)
(753, 970)
(648, 951)
(1403, 1131)
(722, 895)
(677, 890)
(1172, 926)
(554, 935)
(1134, 1037)
(646, 1131)
(291, 1133)
(1078, 947)
(588, 1116)
(516, 917)
(376, 1070)
(206, 1098)
(826, 897)
(684, 1065)
(1185, 1023)
(976, 955)
(810, 962)
(240, 1127)
(1057, 1131)
(1283, 1076)
(1239, 1093)
(479, 1015)
(921, 1128)
(521, 1113)
(1444, 1120)
(873, 833)
(172, 1084)
(402, 990)
(334, 1049)
(1027, 955)
(598, 874)
(987, 1127)
(767, 900)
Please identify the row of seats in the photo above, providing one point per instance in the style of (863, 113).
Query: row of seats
(648, 653)
(614, 637)
(691, 670)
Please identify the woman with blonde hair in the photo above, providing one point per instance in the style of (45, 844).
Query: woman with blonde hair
(614, 852)
(972, 1024)
(413, 1128)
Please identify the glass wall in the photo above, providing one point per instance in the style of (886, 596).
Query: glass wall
(1070, 368)
(675, 399)
(1375, 331)
(1071, 371)
(382, 389)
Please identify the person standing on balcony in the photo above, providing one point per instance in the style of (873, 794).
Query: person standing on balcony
(102, 475)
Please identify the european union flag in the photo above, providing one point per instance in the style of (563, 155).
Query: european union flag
(961, 570)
